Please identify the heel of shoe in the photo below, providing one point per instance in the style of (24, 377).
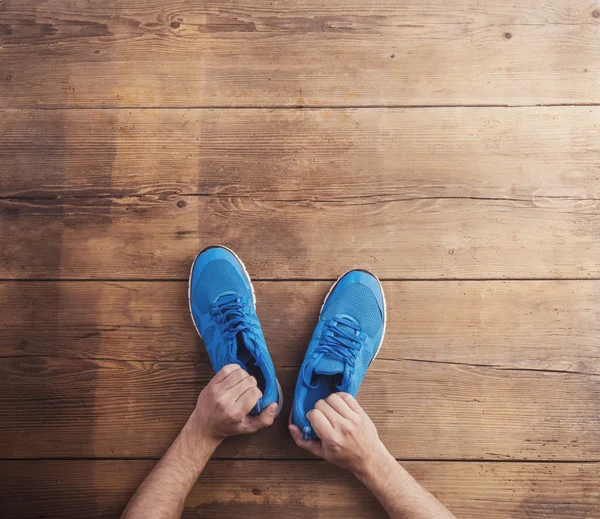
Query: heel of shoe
(279, 399)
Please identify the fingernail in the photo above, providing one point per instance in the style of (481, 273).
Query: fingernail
(272, 408)
(308, 415)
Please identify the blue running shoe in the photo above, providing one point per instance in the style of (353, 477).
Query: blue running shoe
(346, 340)
(223, 307)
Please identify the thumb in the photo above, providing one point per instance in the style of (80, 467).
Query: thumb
(313, 446)
(264, 419)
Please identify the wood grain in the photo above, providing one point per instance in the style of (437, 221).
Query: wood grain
(135, 133)
(543, 325)
(56, 407)
(157, 238)
(426, 12)
(240, 489)
(517, 153)
(81, 53)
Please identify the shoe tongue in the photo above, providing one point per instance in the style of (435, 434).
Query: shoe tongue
(329, 366)
(243, 355)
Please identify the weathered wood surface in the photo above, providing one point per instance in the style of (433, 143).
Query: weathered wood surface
(157, 238)
(471, 370)
(543, 325)
(325, 154)
(55, 407)
(426, 12)
(80, 53)
(274, 489)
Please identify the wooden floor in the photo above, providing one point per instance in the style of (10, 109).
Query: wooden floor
(453, 147)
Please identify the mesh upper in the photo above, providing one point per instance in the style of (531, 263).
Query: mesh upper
(208, 334)
(217, 277)
(357, 301)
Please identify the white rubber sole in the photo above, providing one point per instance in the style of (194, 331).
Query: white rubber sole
(279, 390)
(384, 318)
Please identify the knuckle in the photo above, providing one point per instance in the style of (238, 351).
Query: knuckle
(266, 422)
(334, 444)
(346, 427)
(230, 413)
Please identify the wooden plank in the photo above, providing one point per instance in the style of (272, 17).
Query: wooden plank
(231, 489)
(544, 325)
(143, 54)
(155, 237)
(426, 12)
(518, 153)
(56, 407)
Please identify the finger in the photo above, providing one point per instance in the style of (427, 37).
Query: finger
(320, 424)
(242, 386)
(264, 419)
(340, 406)
(224, 372)
(352, 403)
(234, 378)
(332, 415)
(313, 446)
(248, 399)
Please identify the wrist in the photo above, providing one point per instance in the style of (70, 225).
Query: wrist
(379, 463)
(197, 440)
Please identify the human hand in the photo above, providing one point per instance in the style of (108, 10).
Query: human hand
(348, 437)
(223, 406)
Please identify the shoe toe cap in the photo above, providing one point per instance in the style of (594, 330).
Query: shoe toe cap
(359, 294)
(216, 271)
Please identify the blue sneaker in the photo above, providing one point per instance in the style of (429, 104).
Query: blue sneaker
(223, 307)
(346, 340)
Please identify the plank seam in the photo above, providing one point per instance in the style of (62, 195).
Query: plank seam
(293, 280)
(292, 107)
(369, 199)
(306, 460)
(491, 366)
(494, 367)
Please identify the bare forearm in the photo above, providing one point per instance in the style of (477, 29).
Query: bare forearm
(349, 439)
(221, 411)
(163, 493)
(399, 493)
